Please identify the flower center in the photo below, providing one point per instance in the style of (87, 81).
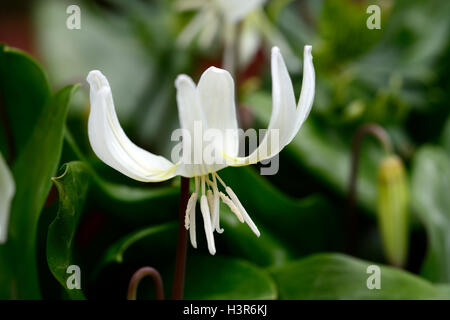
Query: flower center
(210, 208)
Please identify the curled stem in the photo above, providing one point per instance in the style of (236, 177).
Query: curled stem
(381, 135)
(137, 277)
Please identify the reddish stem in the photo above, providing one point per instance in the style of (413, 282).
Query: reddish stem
(180, 262)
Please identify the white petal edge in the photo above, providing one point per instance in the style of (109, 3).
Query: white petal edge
(110, 143)
(286, 118)
(7, 190)
(216, 95)
(212, 105)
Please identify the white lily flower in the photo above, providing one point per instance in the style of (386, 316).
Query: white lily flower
(219, 18)
(209, 105)
(210, 13)
(7, 190)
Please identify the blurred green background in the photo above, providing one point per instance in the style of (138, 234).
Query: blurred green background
(109, 225)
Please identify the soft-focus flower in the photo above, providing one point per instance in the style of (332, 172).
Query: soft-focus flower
(219, 19)
(209, 105)
(7, 190)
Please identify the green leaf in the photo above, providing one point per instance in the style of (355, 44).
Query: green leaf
(337, 276)
(138, 205)
(430, 186)
(267, 250)
(307, 225)
(105, 38)
(25, 92)
(446, 135)
(32, 171)
(135, 204)
(156, 241)
(325, 153)
(218, 277)
(72, 186)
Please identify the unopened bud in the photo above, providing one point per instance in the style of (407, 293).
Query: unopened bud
(392, 207)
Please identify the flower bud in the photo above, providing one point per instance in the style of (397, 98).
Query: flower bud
(392, 209)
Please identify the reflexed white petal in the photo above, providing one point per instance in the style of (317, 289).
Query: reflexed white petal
(112, 146)
(286, 118)
(235, 10)
(7, 190)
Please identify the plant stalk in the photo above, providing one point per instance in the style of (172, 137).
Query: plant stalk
(137, 277)
(180, 261)
(381, 135)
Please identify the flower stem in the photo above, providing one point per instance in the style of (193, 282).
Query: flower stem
(137, 277)
(180, 262)
(381, 135)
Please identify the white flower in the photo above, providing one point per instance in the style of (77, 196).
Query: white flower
(219, 18)
(211, 105)
(210, 14)
(7, 190)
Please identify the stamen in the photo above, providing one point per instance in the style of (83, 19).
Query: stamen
(231, 205)
(209, 196)
(216, 222)
(189, 207)
(220, 180)
(244, 213)
(203, 185)
(192, 234)
(207, 223)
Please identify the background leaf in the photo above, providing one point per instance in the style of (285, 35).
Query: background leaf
(336, 276)
(431, 203)
(24, 92)
(32, 171)
(218, 277)
(72, 186)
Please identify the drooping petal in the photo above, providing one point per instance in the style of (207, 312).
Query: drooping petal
(112, 146)
(286, 118)
(7, 190)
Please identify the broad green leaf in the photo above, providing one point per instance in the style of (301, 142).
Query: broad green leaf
(337, 276)
(7, 190)
(72, 185)
(324, 153)
(32, 171)
(446, 135)
(431, 203)
(24, 92)
(267, 250)
(153, 241)
(219, 277)
(139, 205)
(103, 40)
(305, 226)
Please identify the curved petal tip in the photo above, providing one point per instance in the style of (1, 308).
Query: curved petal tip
(216, 70)
(182, 78)
(97, 80)
(307, 51)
